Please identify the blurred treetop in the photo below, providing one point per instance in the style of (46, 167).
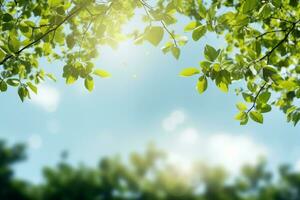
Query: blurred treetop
(261, 52)
(146, 176)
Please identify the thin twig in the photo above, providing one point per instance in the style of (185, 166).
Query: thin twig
(268, 32)
(255, 98)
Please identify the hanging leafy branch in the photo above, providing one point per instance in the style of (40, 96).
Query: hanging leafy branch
(261, 52)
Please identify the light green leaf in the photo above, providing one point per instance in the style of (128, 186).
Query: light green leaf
(202, 84)
(32, 87)
(71, 79)
(154, 35)
(54, 3)
(175, 52)
(189, 71)
(2, 54)
(265, 11)
(223, 86)
(256, 116)
(89, 83)
(191, 26)
(249, 5)
(13, 44)
(101, 73)
(51, 76)
(199, 32)
(241, 106)
(242, 117)
(70, 41)
(289, 85)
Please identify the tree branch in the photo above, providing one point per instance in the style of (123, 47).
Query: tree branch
(268, 54)
(268, 32)
(255, 98)
(43, 35)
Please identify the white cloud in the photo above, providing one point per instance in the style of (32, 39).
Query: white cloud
(172, 122)
(48, 98)
(233, 151)
(189, 136)
(228, 150)
(35, 141)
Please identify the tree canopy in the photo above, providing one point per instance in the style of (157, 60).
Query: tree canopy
(145, 176)
(261, 50)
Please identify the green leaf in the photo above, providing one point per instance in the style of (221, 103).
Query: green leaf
(276, 3)
(13, 82)
(265, 11)
(202, 84)
(191, 26)
(13, 44)
(249, 5)
(3, 86)
(223, 87)
(289, 85)
(89, 83)
(189, 71)
(241, 106)
(247, 97)
(263, 107)
(22, 92)
(175, 52)
(205, 66)
(298, 93)
(210, 53)
(154, 35)
(202, 10)
(244, 120)
(101, 73)
(54, 3)
(51, 76)
(70, 41)
(2, 54)
(199, 32)
(32, 87)
(256, 116)
(242, 117)
(264, 97)
(251, 86)
(269, 72)
(7, 17)
(7, 26)
(70, 79)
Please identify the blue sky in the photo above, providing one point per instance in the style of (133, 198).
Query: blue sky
(144, 101)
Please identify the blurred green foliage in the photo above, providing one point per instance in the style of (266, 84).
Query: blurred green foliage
(145, 176)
